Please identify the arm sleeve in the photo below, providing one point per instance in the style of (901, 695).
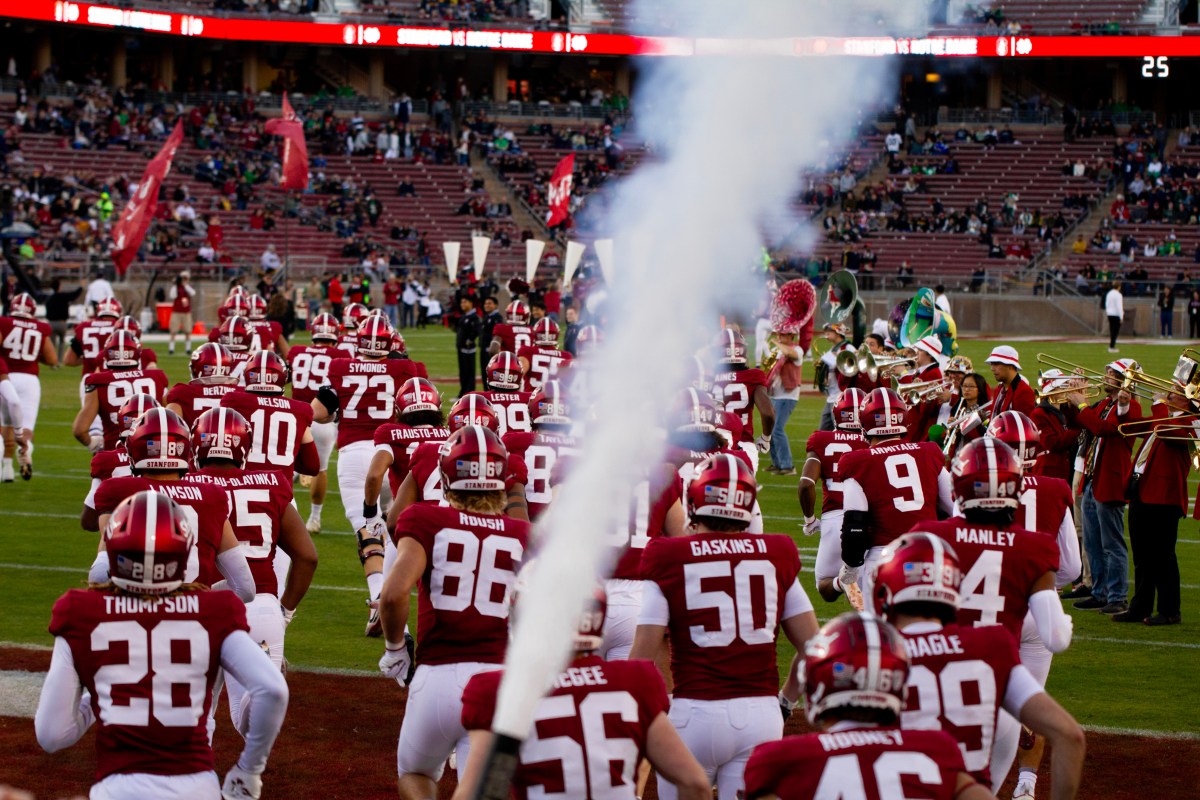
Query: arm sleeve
(945, 493)
(1021, 687)
(101, 569)
(1070, 561)
(853, 497)
(12, 402)
(267, 692)
(1053, 625)
(232, 564)
(61, 720)
(795, 602)
(654, 606)
(308, 462)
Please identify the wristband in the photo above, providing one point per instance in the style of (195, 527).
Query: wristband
(837, 585)
(393, 646)
(1082, 406)
(371, 511)
(788, 704)
(808, 520)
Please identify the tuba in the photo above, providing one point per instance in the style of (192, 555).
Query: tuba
(792, 309)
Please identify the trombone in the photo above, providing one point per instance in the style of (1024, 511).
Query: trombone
(1073, 370)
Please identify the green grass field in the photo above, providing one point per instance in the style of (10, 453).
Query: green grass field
(1118, 676)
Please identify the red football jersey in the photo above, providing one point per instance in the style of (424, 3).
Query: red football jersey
(310, 368)
(367, 394)
(830, 446)
(278, 424)
(512, 337)
(683, 463)
(512, 409)
(423, 466)
(110, 463)
(21, 343)
(348, 344)
(1000, 567)
(737, 389)
(632, 533)
(957, 683)
(618, 699)
(91, 335)
(725, 593)
(149, 664)
(268, 332)
(257, 502)
(471, 563)
(194, 399)
(540, 450)
(544, 364)
(3, 366)
(1044, 502)
(900, 481)
(866, 763)
(401, 440)
(206, 509)
(114, 387)
(732, 424)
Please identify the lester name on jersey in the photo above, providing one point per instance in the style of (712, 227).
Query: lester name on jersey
(128, 740)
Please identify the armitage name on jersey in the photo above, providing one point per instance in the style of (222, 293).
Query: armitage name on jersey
(178, 604)
(728, 547)
(984, 536)
(837, 741)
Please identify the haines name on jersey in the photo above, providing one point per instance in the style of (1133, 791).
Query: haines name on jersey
(933, 644)
(728, 547)
(837, 741)
(581, 676)
(984, 536)
(178, 604)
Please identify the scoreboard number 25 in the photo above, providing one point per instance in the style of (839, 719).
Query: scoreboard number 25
(1155, 67)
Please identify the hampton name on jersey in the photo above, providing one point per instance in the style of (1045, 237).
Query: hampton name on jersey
(471, 563)
(829, 447)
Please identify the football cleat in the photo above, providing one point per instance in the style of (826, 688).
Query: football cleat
(374, 622)
(25, 462)
(1024, 791)
(313, 524)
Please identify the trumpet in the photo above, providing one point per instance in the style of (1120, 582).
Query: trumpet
(852, 362)
(1090, 390)
(954, 425)
(925, 390)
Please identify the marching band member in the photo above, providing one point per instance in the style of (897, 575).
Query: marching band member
(837, 335)
(924, 414)
(1059, 439)
(1013, 392)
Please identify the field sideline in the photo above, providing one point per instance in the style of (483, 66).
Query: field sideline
(1113, 676)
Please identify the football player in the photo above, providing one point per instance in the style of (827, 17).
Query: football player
(25, 342)
(743, 390)
(464, 558)
(107, 390)
(115, 463)
(721, 595)
(269, 332)
(353, 316)
(265, 522)
(160, 454)
(825, 451)
(541, 361)
(962, 677)
(362, 393)
(550, 418)
(174, 637)
(310, 371)
(855, 671)
(10, 409)
(887, 488)
(280, 425)
(211, 367)
(514, 333)
(419, 406)
(237, 336)
(503, 375)
(582, 767)
(87, 344)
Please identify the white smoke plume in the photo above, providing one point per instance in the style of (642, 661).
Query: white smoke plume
(732, 136)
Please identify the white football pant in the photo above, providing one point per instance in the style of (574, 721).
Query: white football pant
(620, 621)
(140, 785)
(29, 390)
(721, 735)
(354, 461)
(432, 726)
(324, 436)
(829, 550)
(1036, 659)
(265, 618)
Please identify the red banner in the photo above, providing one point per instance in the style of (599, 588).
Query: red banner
(559, 191)
(131, 228)
(295, 150)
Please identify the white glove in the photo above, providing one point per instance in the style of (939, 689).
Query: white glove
(96, 444)
(763, 443)
(396, 662)
(241, 785)
(288, 615)
(811, 525)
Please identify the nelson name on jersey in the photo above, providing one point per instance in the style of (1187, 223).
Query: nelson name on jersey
(728, 547)
(179, 604)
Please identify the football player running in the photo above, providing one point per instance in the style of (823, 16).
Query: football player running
(541, 361)
(149, 623)
(465, 557)
(269, 332)
(160, 454)
(10, 409)
(550, 418)
(514, 333)
(744, 390)
(916, 588)
(87, 345)
(25, 343)
(115, 463)
(721, 596)
(825, 451)
(583, 696)
(265, 522)
(211, 367)
(310, 371)
(887, 488)
(855, 671)
(106, 390)
(503, 375)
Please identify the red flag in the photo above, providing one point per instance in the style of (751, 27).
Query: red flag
(131, 228)
(295, 150)
(560, 190)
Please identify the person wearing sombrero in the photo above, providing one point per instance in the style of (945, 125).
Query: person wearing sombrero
(1013, 392)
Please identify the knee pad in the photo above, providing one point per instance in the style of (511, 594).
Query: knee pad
(370, 541)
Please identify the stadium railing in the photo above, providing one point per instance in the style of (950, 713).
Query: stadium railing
(1041, 116)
